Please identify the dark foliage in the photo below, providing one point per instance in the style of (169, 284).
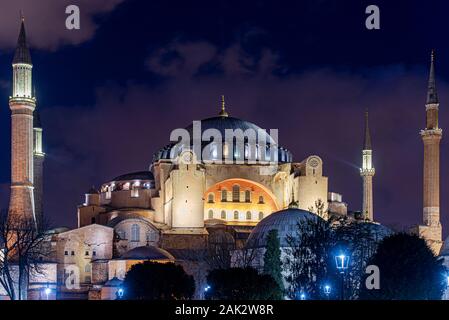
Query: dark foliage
(241, 284)
(408, 270)
(272, 258)
(158, 281)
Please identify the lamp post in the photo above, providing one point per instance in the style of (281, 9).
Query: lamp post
(302, 296)
(342, 263)
(120, 293)
(47, 292)
(327, 291)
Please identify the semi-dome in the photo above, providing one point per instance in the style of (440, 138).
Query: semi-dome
(140, 175)
(284, 221)
(222, 123)
(147, 253)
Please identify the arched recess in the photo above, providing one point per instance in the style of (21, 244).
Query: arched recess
(244, 204)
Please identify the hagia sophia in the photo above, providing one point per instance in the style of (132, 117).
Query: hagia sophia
(191, 193)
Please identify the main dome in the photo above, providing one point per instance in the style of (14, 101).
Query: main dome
(223, 123)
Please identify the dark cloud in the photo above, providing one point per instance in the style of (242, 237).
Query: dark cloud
(317, 112)
(47, 20)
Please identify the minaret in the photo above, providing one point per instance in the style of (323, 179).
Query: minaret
(431, 136)
(22, 105)
(367, 172)
(38, 166)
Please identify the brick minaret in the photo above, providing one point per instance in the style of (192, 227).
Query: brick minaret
(22, 105)
(367, 172)
(431, 136)
(38, 167)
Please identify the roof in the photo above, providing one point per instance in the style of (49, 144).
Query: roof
(139, 175)
(114, 282)
(367, 140)
(432, 96)
(146, 253)
(22, 54)
(284, 221)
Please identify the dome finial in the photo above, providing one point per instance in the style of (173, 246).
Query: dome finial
(293, 204)
(223, 112)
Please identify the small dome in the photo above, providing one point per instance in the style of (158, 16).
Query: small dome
(147, 253)
(284, 221)
(92, 190)
(114, 282)
(140, 175)
(445, 248)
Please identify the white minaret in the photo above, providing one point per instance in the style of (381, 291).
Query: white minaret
(22, 105)
(367, 172)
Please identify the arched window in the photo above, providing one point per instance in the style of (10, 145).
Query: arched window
(236, 193)
(224, 195)
(92, 220)
(247, 196)
(248, 215)
(261, 199)
(210, 198)
(135, 233)
(236, 215)
(260, 215)
(87, 268)
(223, 214)
(210, 214)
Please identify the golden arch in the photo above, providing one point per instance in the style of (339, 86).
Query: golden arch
(241, 210)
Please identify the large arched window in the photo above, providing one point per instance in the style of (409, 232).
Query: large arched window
(248, 215)
(135, 232)
(236, 215)
(236, 193)
(210, 214)
(210, 198)
(224, 195)
(247, 196)
(223, 214)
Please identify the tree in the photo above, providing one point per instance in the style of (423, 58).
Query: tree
(408, 270)
(308, 258)
(272, 258)
(23, 249)
(158, 281)
(241, 284)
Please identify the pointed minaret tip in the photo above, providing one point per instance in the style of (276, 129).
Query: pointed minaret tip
(223, 112)
(22, 54)
(367, 139)
(432, 96)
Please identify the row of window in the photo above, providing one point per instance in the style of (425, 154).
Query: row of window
(236, 215)
(235, 195)
(135, 234)
(86, 253)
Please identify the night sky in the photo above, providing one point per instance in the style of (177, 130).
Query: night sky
(110, 93)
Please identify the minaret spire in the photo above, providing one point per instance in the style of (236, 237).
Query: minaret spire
(367, 172)
(22, 54)
(432, 96)
(223, 112)
(367, 140)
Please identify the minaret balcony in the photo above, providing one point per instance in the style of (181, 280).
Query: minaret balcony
(367, 172)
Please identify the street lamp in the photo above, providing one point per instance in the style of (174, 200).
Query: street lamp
(327, 290)
(342, 263)
(120, 293)
(207, 288)
(47, 292)
(302, 296)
